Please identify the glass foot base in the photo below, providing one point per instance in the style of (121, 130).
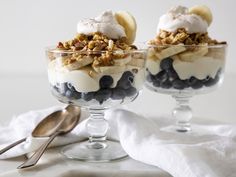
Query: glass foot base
(85, 152)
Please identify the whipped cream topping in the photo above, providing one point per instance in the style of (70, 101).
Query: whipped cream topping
(179, 17)
(105, 23)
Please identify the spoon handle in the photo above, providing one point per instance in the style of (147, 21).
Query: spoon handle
(36, 156)
(11, 145)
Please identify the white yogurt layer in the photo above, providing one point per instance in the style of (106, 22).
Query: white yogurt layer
(179, 17)
(83, 82)
(199, 68)
(105, 23)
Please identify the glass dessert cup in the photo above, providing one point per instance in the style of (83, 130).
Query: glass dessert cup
(96, 89)
(183, 72)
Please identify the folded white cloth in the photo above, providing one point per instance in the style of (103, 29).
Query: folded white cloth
(208, 151)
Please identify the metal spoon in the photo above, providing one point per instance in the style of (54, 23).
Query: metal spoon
(65, 124)
(47, 126)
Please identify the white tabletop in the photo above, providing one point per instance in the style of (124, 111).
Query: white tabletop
(23, 93)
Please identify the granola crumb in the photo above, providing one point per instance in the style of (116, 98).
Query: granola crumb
(181, 36)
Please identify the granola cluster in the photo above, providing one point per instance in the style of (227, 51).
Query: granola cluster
(98, 46)
(181, 36)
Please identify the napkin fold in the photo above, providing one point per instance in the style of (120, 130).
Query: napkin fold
(208, 151)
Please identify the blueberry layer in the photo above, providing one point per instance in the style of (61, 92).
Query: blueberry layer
(124, 88)
(168, 78)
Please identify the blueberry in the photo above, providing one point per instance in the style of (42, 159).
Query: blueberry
(210, 81)
(186, 83)
(102, 95)
(161, 76)
(126, 80)
(55, 88)
(217, 78)
(150, 77)
(76, 95)
(63, 88)
(87, 96)
(178, 84)
(130, 91)
(127, 75)
(166, 84)
(69, 94)
(166, 63)
(156, 83)
(195, 83)
(106, 81)
(192, 80)
(118, 94)
(172, 74)
(70, 86)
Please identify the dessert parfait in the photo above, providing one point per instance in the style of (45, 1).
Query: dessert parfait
(98, 69)
(183, 60)
(182, 57)
(100, 66)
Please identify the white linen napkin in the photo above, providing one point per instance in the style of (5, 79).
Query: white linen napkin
(208, 151)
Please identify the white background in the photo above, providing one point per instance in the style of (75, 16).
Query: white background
(28, 26)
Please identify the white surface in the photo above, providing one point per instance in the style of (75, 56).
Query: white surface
(181, 155)
(53, 164)
(28, 26)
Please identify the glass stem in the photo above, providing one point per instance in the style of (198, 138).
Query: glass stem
(183, 113)
(97, 128)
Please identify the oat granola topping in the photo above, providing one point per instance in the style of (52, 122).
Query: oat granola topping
(94, 44)
(181, 36)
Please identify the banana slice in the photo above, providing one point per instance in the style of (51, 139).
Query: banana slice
(126, 20)
(109, 69)
(202, 11)
(79, 63)
(170, 51)
(112, 69)
(193, 55)
(137, 62)
(122, 61)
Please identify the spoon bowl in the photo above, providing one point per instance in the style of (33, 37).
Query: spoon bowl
(51, 123)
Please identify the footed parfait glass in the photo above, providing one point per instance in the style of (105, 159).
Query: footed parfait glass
(96, 88)
(183, 71)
